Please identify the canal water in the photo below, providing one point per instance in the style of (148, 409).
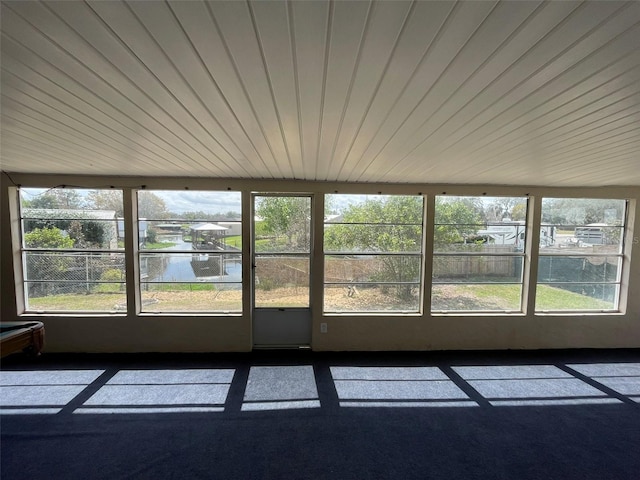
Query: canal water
(178, 268)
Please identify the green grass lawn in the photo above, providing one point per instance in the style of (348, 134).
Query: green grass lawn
(187, 296)
(159, 245)
(271, 244)
(181, 287)
(102, 302)
(494, 297)
(551, 298)
(234, 241)
(547, 298)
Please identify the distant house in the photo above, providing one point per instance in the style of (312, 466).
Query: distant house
(233, 228)
(142, 230)
(207, 236)
(172, 228)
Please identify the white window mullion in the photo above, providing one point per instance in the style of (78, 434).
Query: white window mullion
(530, 273)
(130, 209)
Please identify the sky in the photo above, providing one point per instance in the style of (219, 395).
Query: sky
(177, 201)
(180, 201)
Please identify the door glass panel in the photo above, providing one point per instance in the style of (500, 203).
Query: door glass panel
(282, 242)
(281, 281)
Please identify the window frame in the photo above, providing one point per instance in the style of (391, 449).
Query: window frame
(620, 255)
(418, 254)
(141, 253)
(529, 298)
(88, 253)
(523, 255)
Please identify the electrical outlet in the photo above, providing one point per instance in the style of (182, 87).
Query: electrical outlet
(323, 328)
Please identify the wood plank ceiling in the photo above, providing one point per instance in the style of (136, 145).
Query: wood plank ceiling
(520, 93)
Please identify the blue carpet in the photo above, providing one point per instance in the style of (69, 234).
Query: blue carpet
(274, 415)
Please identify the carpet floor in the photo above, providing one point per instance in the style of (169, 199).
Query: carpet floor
(303, 415)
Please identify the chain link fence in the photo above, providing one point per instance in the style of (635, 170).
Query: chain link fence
(53, 273)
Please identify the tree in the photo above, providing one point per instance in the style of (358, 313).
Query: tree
(86, 232)
(519, 212)
(582, 211)
(194, 216)
(288, 217)
(106, 200)
(456, 219)
(47, 238)
(76, 233)
(58, 198)
(506, 207)
(150, 205)
(386, 225)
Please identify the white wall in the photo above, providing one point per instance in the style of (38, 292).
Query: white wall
(193, 333)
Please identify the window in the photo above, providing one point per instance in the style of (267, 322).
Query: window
(72, 250)
(190, 252)
(581, 270)
(479, 253)
(373, 253)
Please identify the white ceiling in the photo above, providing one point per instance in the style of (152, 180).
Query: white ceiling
(514, 92)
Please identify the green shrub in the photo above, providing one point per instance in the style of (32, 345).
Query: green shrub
(111, 275)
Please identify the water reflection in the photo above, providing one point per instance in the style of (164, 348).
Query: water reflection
(162, 266)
